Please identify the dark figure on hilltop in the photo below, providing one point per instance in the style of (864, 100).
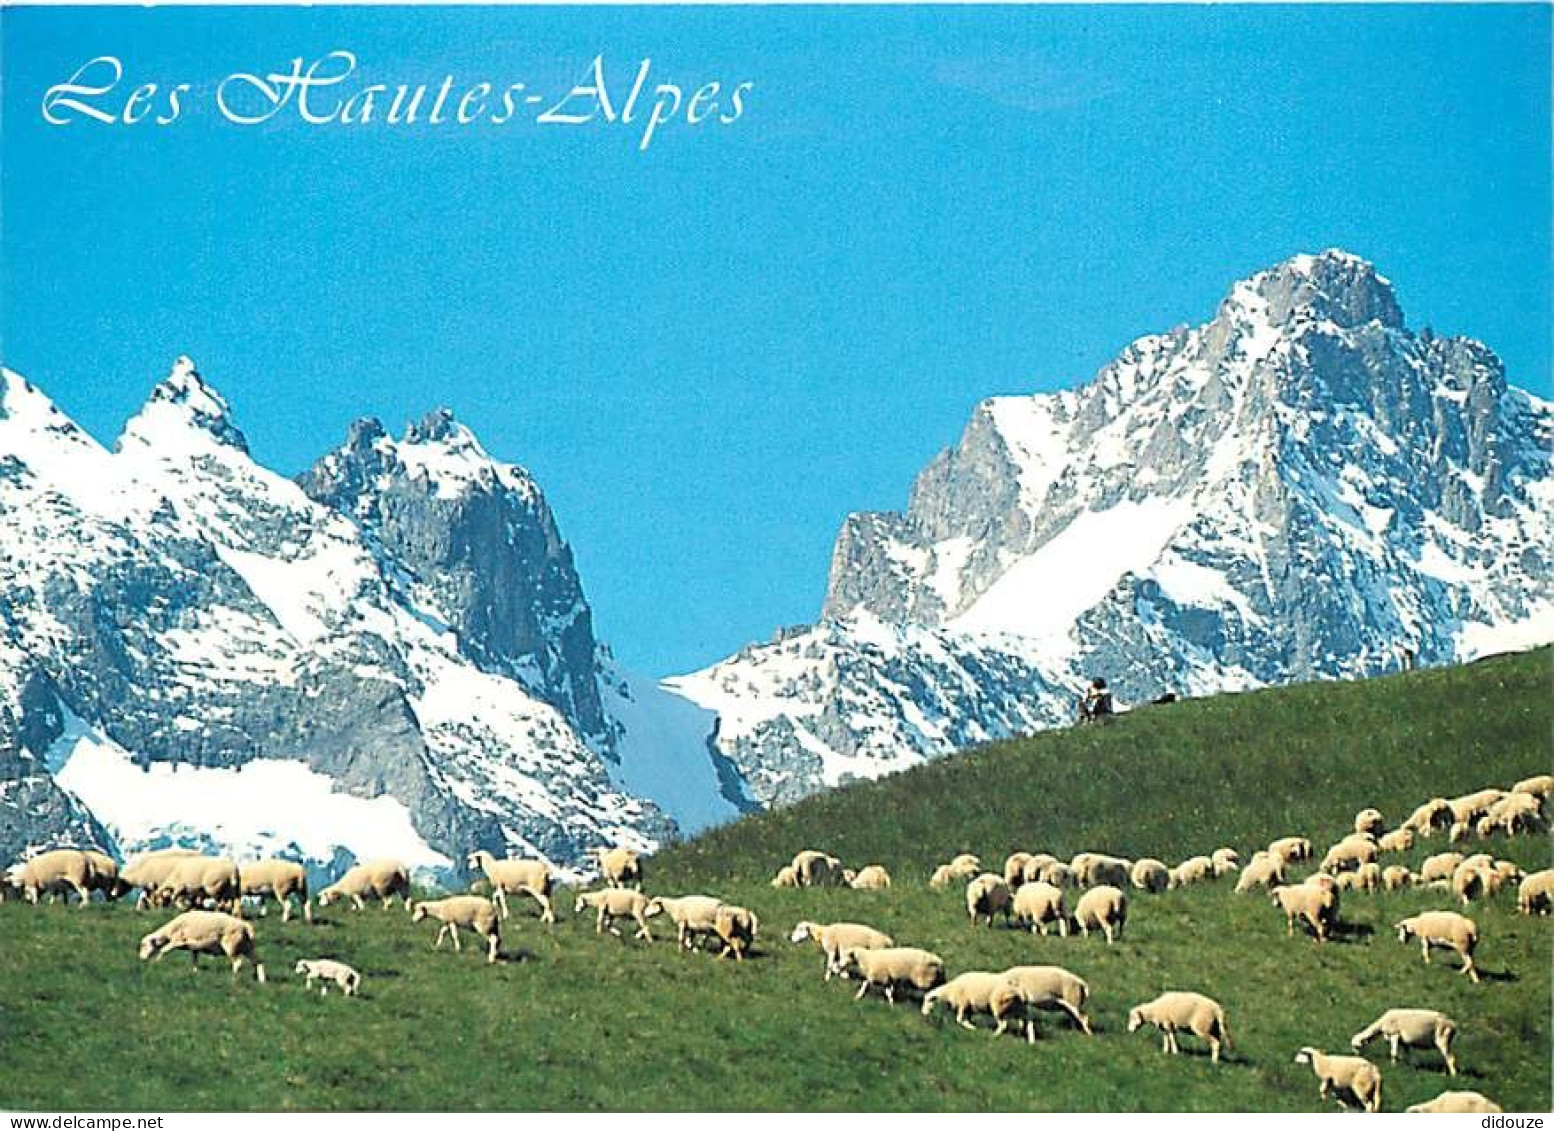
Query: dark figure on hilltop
(1096, 702)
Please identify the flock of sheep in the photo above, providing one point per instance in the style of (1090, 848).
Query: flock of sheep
(1033, 890)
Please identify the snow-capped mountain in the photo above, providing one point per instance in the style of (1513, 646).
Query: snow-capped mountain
(391, 656)
(1301, 487)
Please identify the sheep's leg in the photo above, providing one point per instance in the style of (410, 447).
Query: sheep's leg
(493, 943)
(960, 1018)
(441, 931)
(499, 897)
(1214, 1050)
(1393, 1040)
(360, 903)
(890, 992)
(863, 989)
(1469, 969)
(1079, 1018)
(1451, 1061)
(642, 931)
(453, 933)
(1424, 947)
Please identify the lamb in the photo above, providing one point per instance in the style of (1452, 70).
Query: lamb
(1053, 988)
(382, 879)
(148, 870)
(871, 877)
(1193, 870)
(475, 912)
(619, 866)
(1264, 870)
(1291, 849)
(1014, 868)
(57, 870)
(1415, 1028)
(1539, 785)
(1226, 860)
(1395, 877)
(836, 939)
(1439, 867)
(692, 915)
(1182, 1009)
(1536, 893)
(978, 991)
(736, 928)
(1345, 1075)
(1431, 817)
(893, 966)
(1315, 903)
(1105, 908)
(1095, 870)
(280, 878)
(786, 877)
(1457, 1103)
(328, 970)
(817, 869)
(205, 932)
(1349, 854)
(1398, 840)
(616, 903)
(1369, 821)
(1445, 929)
(1150, 875)
(523, 877)
(1039, 904)
(987, 895)
(196, 879)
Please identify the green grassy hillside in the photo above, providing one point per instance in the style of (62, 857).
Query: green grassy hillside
(573, 1021)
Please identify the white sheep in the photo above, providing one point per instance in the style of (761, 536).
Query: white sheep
(1468, 808)
(1032, 870)
(786, 877)
(1431, 817)
(328, 970)
(1539, 785)
(871, 877)
(1445, 929)
(148, 870)
(1395, 877)
(1291, 849)
(817, 869)
(612, 904)
(1053, 988)
(474, 912)
(1263, 870)
(1536, 893)
(1439, 867)
(1512, 814)
(1475, 880)
(383, 879)
(198, 879)
(1316, 904)
(1150, 875)
(1193, 870)
(1349, 854)
(1178, 1010)
(978, 991)
(1369, 821)
(692, 915)
(1039, 904)
(987, 895)
(1096, 869)
(963, 867)
(1058, 874)
(1457, 1103)
(1226, 860)
(521, 877)
(836, 939)
(892, 966)
(205, 932)
(1412, 1028)
(281, 879)
(1014, 868)
(618, 866)
(1104, 908)
(1398, 840)
(736, 927)
(1344, 1075)
(61, 869)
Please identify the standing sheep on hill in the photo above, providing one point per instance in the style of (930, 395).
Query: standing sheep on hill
(1344, 1075)
(1053, 988)
(786, 877)
(328, 970)
(986, 896)
(521, 877)
(280, 878)
(1193, 870)
(736, 928)
(1535, 896)
(1369, 821)
(1457, 1103)
(871, 877)
(194, 880)
(1014, 868)
(818, 869)
(148, 870)
(892, 967)
(205, 932)
(1105, 908)
(692, 915)
(1263, 870)
(474, 912)
(1398, 840)
(382, 879)
(1539, 785)
(1291, 849)
(616, 903)
(1444, 929)
(1439, 867)
(1314, 903)
(836, 939)
(981, 992)
(1432, 817)
(1414, 1028)
(1226, 860)
(1150, 875)
(1039, 904)
(619, 867)
(62, 869)
(1183, 1010)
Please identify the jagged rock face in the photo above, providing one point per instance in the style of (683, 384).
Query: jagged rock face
(480, 550)
(1301, 487)
(194, 611)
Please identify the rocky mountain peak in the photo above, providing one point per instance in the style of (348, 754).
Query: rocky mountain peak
(1333, 286)
(183, 400)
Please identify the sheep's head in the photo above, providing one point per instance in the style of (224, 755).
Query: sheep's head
(1304, 1055)
(1356, 1043)
(655, 906)
(327, 896)
(152, 945)
(931, 1002)
(1135, 1019)
(581, 903)
(802, 933)
(475, 859)
(302, 967)
(1404, 928)
(418, 913)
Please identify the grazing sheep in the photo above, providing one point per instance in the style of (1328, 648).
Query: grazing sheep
(1395, 877)
(1369, 821)
(1539, 785)
(205, 932)
(1398, 840)
(1178, 1010)
(942, 877)
(986, 896)
(1264, 870)
(61, 869)
(1193, 870)
(1053, 988)
(963, 867)
(1014, 868)
(1058, 874)
(280, 878)
(328, 970)
(978, 991)
(871, 877)
(1513, 814)
(1348, 855)
(521, 877)
(1536, 893)
(1367, 877)
(817, 869)
(148, 870)
(692, 915)
(1457, 1103)
(1034, 865)
(1431, 817)
(1314, 903)
(1150, 875)
(1093, 869)
(893, 966)
(1345, 1075)
(612, 904)
(382, 879)
(1445, 929)
(1414, 1028)
(474, 912)
(1291, 849)
(1475, 881)
(618, 866)
(786, 877)
(1105, 908)
(1039, 904)
(967, 863)
(197, 879)
(1226, 860)
(1439, 867)
(1468, 808)
(836, 939)
(736, 928)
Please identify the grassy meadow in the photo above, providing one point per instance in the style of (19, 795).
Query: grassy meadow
(574, 1021)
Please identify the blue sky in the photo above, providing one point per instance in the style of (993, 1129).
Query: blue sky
(711, 351)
